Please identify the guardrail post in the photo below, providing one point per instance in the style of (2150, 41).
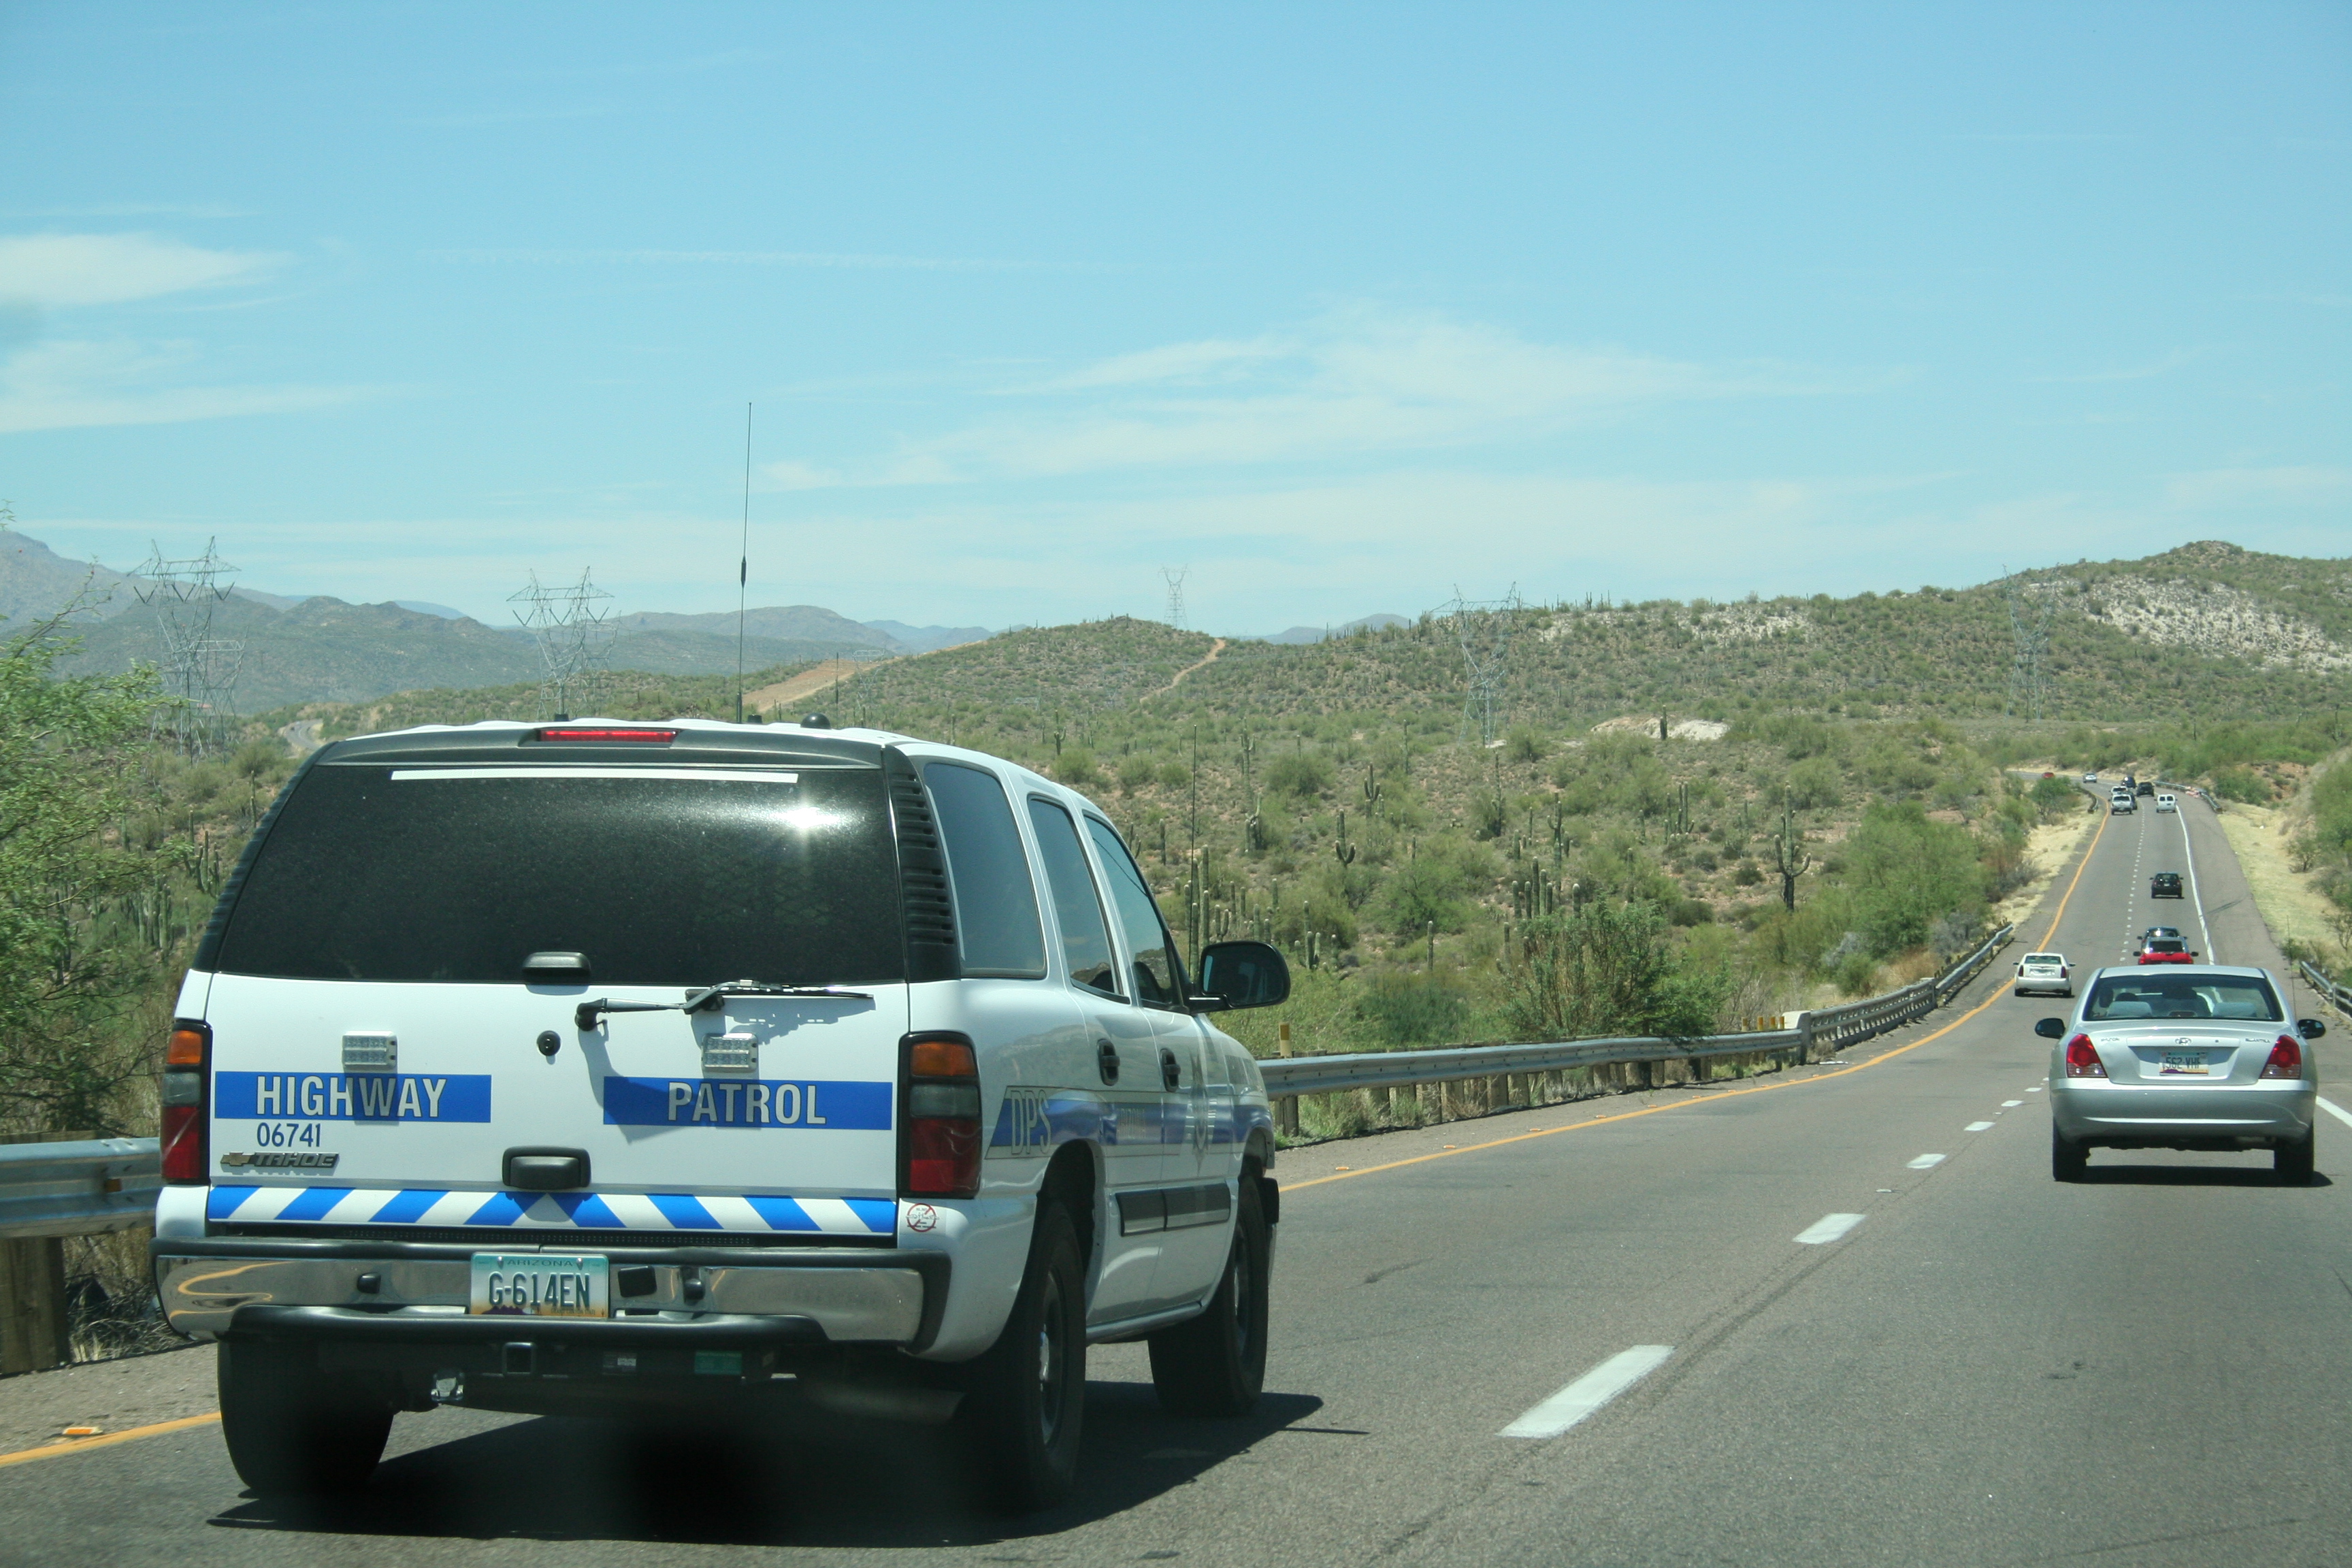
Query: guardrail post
(35, 1331)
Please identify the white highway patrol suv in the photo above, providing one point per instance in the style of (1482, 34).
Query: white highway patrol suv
(601, 1066)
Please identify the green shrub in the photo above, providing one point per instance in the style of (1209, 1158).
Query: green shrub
(1406, 1008)
(1816, 784)
(1300, 774)
(2242, 785)
(1076, 767)
(1906, 872)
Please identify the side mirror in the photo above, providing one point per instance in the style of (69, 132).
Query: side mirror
(1241, 974)
(2051, 1028)
(2310, 1028)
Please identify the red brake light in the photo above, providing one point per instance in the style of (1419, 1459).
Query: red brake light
(2286, 1059)
(188, 1082)
(940, 1141)
(2082, 1059)
(628, 737)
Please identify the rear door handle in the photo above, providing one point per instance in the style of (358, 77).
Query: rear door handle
(1171, 1071)
(1106, 1061)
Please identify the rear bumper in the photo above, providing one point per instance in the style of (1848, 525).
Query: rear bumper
(2165, 1116)
(730, 1297)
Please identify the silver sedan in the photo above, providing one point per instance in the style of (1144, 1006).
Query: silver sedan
(2182, 1056)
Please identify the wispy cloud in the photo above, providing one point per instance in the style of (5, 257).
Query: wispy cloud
(2214, 490)
(57, 270)
(726, 259)
(63, 386)
(1355, 382)
(2150, 372)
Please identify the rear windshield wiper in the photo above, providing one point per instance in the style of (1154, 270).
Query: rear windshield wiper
(707, 1000)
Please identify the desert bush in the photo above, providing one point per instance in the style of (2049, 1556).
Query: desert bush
(1906, 872)
(1076, 767)
(1816, 784)
(1608, 969)
(1405, 1008)
(1302, 774)
(2242, 785)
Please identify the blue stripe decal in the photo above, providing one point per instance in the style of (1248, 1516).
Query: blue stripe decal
(588, 1210)
(314, 1204)
(223, 1201)
(407, 1208)
(683, 1211)
(501, 1209)
(782, 1214)
(880, 1214)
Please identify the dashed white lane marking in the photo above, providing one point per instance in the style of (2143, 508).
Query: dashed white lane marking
(2035, 1089)
(2336, 1111)
(1977, 1127)
(2010, 1104)
(1827, 1229)
(1588, 1393)
(1926, 1162)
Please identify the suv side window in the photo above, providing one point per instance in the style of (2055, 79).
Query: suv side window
(995, 903)
(1159, 972)
(1077, 909)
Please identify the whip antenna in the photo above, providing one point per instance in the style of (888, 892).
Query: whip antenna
(743, 565)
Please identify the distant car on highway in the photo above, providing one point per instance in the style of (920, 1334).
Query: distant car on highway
(2166, 803)
(2165, 885)
(2144, 787)
(2152, 932)
(2119, 803)
(2167, 950)
(2090, 778)
(2202, 1059)
(2046, 973)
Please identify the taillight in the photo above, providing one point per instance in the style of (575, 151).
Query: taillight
(940, 1139)
(187, 1077)
(2286, 1059)
(2082, 1059)
(640, 737)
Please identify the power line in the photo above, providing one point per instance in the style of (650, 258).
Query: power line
(199, 669)
(1175, 576)
(1483, 628)
(573, 633)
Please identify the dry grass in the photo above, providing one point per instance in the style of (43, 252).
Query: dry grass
(2291, 902)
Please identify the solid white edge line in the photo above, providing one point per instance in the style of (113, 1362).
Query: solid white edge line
(1827, 1229)
(1589, 1393)
(2195, 897)
(1926, 1162)
(2336, 1111)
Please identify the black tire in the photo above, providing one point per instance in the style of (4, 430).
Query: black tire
(2069, 1161)
(1025, 1400)
(292, 1429)
(2295, 1163)
(1214, 1364)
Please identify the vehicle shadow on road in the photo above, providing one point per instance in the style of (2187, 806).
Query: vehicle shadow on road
(2192, 1176)
(789, 1481)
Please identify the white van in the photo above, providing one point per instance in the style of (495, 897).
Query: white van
(601, 1066)
(2166, 803)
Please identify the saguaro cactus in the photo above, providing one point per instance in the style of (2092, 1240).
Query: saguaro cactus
(1789, 857)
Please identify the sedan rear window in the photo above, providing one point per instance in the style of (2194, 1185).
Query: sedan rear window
(660, 876)
(2119, 998)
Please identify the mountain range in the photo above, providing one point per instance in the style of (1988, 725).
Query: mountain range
(325, 649)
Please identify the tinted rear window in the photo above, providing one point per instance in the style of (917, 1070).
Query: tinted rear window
(2121, 998)
(660, 877)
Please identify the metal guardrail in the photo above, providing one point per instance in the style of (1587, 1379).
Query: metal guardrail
(78, 1189)
(1832, 1026)
(2338, 996)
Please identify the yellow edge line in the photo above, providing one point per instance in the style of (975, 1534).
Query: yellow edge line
(1289, 1187)
(84, 1445)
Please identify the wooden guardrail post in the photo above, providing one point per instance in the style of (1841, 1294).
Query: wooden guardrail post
(35, 1332)
(1285, 1109)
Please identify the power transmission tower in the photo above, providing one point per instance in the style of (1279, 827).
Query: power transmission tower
(1175, 576)
(573, 632)
(199, 669)
(1483, 627)
(2031, 634)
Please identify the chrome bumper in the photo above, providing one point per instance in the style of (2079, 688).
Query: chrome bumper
(878, 1297)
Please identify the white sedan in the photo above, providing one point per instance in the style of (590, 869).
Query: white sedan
(2046, 973)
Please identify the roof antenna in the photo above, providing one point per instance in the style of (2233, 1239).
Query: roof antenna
(743, 566)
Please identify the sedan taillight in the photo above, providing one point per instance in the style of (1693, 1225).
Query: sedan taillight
(939, 1148)
(2286, 1059)
(187, 1080)
(2082, 1059)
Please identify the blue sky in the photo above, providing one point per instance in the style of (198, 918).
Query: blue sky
(1341, 307)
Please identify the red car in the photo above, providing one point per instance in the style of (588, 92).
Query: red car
(2167, 950)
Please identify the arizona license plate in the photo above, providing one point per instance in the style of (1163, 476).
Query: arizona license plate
(541, 1284)
(2184, 1064)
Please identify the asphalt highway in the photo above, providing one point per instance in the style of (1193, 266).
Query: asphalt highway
(1837, 1317)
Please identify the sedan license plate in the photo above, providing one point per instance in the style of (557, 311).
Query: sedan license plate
(2184, 1064)
(541, 1284)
